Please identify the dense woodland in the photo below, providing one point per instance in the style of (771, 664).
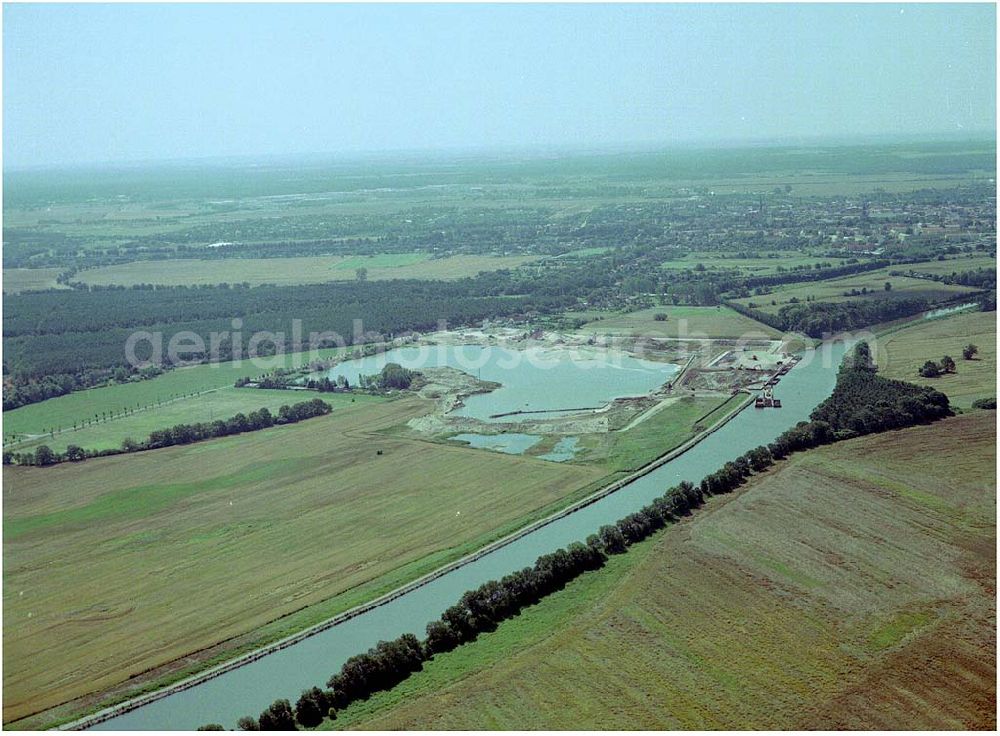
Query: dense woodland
(823, 319)
(864, 402)
(57, 342)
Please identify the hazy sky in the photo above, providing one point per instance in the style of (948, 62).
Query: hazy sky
(106, 83)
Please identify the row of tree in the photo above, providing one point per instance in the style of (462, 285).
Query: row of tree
(180, 434)
(819, 319)
(787, 277)
(327, 385)
(481, 610)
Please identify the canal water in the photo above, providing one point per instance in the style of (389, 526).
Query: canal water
(539, 379)
(249, 689)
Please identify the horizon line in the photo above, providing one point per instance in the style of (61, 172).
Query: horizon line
(533, 149)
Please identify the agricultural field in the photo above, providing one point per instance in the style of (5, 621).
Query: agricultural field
(16, 280)
(766, 263)
(836, 290)
(304, 270)
(98, 556)
(694, 322)
(221, 403)
(900, 354)
(586, 252)
(148, 397)
(948, 266)
(851, 587)
(659, 432)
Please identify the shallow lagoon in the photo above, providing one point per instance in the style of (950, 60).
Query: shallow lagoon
(543, 381)
(517, 443)
(513, 443)
(564, 450)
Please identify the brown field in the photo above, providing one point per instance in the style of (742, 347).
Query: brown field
(850, 587)
(119, 565)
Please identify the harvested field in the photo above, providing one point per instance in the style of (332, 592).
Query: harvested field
(852, 586)
(99, 557)
(691, 322)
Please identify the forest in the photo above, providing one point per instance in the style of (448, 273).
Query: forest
(56, 342)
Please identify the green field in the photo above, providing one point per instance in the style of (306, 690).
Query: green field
(302, 270)
(767, 263)
(833, 290)
(631, 448)
(851, 587)
(694, 322)
(586, 252)
(16, 280)
(220, 403)
(98, 556)
(900, 354)
(951, 265)
(61, 412)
